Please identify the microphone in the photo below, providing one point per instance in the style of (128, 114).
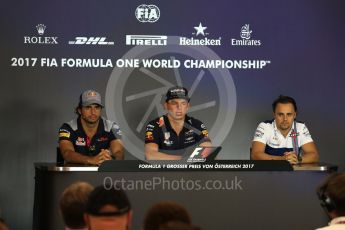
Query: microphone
(294, 138)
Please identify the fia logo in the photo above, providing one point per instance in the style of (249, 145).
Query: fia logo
(147, 13)
(245, 32)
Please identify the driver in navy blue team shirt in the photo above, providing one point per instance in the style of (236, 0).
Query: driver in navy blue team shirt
(167, 137)
(90, 138)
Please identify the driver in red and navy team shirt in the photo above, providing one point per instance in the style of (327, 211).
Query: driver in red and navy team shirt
(167, 137)
(283, 138)
(90, 138)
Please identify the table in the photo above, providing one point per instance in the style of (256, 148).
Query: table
(260, 196)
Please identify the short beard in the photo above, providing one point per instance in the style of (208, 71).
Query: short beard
(284, 129)
(91, 123)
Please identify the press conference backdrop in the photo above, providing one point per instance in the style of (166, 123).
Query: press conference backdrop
(235, 57)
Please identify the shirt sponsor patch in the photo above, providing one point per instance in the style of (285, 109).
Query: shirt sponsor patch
(305, 132)
(161, 121)
(64, 134)
(259, 133)
(102, 139)
(150, 127)
(149, 136)
(166, 135)
(189, 139)
(205, 133)
(119, 133)
(293, 134)
(80, 141)
(168, 142)
(116, 131)
(190, 132)
(274, 143)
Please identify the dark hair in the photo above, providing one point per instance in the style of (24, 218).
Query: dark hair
(332, 193)
(2, 221)
(73, 204)
(3, 225)
(103, 195)
(76, 110)
(78, 106)
(164, 212)
(284, 100)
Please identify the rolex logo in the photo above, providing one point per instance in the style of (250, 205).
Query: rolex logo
(40, 29)
(39, 39)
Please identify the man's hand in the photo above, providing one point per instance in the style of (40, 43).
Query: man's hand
(104, 155)
(291, 157)
(206, 152)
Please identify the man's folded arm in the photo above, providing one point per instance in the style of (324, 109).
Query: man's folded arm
(258, 152)
(116, 149)
(152, 153)
(310, 154)
(69, 154)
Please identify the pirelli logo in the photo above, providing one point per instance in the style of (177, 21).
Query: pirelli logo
(146, 40)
